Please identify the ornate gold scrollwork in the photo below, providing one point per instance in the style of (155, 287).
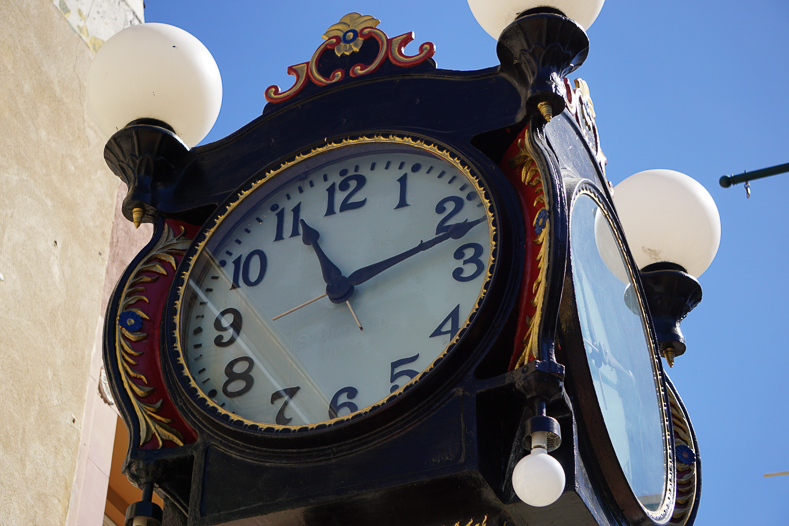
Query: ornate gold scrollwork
(129, 330)
(530, 176)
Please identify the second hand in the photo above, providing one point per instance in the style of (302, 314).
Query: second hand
(348, 302)
(294, 309)
(313, 300)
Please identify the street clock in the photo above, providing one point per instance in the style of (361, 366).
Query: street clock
(370, 303)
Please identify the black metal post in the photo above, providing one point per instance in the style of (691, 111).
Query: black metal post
(728, 180)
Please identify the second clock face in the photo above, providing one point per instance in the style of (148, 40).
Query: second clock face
(335, 282)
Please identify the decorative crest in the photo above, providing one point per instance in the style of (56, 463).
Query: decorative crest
(347, 37)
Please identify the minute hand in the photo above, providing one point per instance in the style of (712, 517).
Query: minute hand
(456, 231)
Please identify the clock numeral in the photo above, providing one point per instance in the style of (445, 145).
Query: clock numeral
(403, 182)
(441, 207)
(453, 320)
(288, 395)
(238, 376)
(474, 259)
(294, 227)
(358, 181)
(220, 324)
(242, 272)
(335, 406)
(408, 373)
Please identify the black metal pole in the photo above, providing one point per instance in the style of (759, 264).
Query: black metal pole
(728, 180)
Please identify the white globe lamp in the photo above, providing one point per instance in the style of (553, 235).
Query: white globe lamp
(495, 15)
(538, 479)
(668, 217)
(155, 72)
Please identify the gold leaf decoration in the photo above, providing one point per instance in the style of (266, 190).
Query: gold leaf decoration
(141, 391)
(154, 267)
(152, 424)
(134, 336)
(129, 360)
(134, 374)
(134, 299)
(347, 30)
(168, 258)
(140, 313)
(145, 279)
(128, 349)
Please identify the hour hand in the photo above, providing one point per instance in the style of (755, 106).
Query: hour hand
(310, 236)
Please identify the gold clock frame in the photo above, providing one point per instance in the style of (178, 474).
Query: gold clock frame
(410, 140)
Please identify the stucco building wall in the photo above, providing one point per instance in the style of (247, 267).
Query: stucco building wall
(57, 209)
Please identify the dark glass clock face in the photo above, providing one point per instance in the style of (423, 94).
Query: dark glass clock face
(336, 282)
(619, 353)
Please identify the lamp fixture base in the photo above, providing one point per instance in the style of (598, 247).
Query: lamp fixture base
(671, 294)
(537, 51)
(147, 156)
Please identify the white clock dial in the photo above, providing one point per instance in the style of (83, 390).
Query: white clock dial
(393, 241)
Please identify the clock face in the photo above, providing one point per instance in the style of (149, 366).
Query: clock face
(329, 285)
(620, 355)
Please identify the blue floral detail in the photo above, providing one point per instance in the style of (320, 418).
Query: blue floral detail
(131, 321)
(542, 220)
(685, 455)
(349, 36)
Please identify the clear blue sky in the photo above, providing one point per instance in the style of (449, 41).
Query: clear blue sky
(695, 86)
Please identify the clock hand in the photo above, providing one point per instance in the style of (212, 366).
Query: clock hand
(313, 300)
(337, 287)
(294, 309)
(331, 273)
(456, 231)
(347, 302)
(310, 237)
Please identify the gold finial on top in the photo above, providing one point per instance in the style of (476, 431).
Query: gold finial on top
(137, 215)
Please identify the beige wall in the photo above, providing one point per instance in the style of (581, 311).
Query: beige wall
(57, 204)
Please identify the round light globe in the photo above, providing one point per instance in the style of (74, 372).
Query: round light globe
(495, 15)
(668, 217)
(155, 71)
(538, 479)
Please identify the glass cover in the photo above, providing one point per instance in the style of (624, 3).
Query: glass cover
(619, 353)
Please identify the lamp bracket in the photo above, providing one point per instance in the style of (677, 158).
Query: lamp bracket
(536, 52)
(671, 294)
(149, 159)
